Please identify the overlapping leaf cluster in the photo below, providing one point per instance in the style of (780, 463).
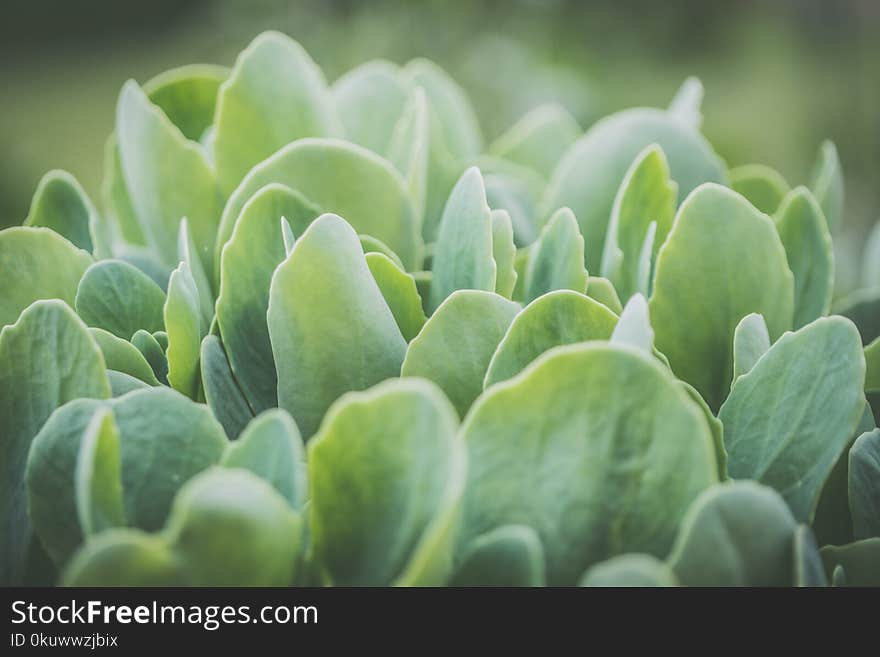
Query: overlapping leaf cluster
(325, 335)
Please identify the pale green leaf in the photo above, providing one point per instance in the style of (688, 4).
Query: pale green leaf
(122, 356)
(556, 261)
(634, 325)
(98, 480)
(633, 570)
(827, 186)
(185, 330)
(60, 203)
(864, 485)
(503, 253)
(539, 139)
(602, 290)
(222, 392)
(750, 340)
(762, 186)
(400, 293)
(685, 105)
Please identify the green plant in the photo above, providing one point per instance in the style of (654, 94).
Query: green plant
(324, 335)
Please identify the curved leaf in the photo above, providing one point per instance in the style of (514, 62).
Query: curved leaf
(400, 293)
(860, 562)
(556, 260)
(826, 183)
(60, 203)
(125, 558)
(638, 570)
(508, 556)
(183, 325)
(222, 393)
(750, 341)
(762, 186)
(503, 253)
(634, 326)
(122, 356)
(539, 139)
(153, 352)
(864, 485)
(97, 480)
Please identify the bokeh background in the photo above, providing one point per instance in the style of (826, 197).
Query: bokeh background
(780, 75)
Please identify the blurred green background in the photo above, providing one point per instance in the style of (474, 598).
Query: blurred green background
(780, 75)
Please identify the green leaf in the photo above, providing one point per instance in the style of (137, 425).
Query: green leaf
(408, 150)
(117, 202)
(556, 261)
(153, 352)
(122, 383)
(539, 139)
(503, 253)
(231, 528)
(518, 191)
(341, 178)
(185, 331)
(762, 186)
(370, 100)
(330, 327)
(685, 106)
(275, 95)
(719, 246)
(167, 177)
(97, 479)
(119, 298)
(124, 357)
(507, 556)
(60, 203)
(584, 423)
(715, 426)
(370, 244)
(864, 485)
(400, 293)
(463, 253)
(871, 259)
(646, 196)
(735, 534)
(401, 433)
(750, 341)
(186, 252)
(37, 263)
(455, 346)
(807, 562)
(287, 236)
(46, 359)
(872, 362)
(125, 558)
(860, 562)
(634, 326)
(187, 96)
(222, 392)
(143, 259)
(637, 570)
(808, 249)
(272, 448)
(602, 290)
(826, 183)
(557, 318)
(589, 175)
(247, 263)
(788, 420)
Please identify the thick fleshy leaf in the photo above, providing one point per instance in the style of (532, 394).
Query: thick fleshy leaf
(125, 558)
(370, 100)
(400, 293)
(370, 244)
(167, 177)
(119, 298)
(60, 203)
(187, 96)
(508, 556)
(634, 325)
(463, 252)
(330, 327)
(719, 245)
(402, 433)
(871, 259)
(248, 261)
(646, 196)
(187, 253)
(762, 186)
(750, 341)
(685, 105)
(98, 479)
(37, 263)
(808, 248)
(539, 139)
(275, 95)
(408, 150)
(715, 426)
(588, 177)
(342, 178)
(807, 562)
(272, 448)
(228, 527)
(826, 183)
(860, 562)
(455, 346)
(183, 324)
(637, 570)
(586, 423)
(556, 261)
(518, 191)
(503, 253)
(736, 534)
(557, 318)
(788, 420)
(122, 383)
(47, 358)
(143, 259)
(222, 392)
(602, 290)
(872, 364)
(864, 485)
(153, 352)
(122, 356)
